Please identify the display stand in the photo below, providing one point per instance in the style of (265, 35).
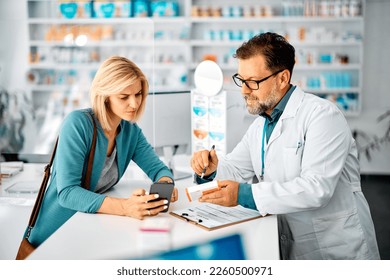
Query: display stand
(208, 109)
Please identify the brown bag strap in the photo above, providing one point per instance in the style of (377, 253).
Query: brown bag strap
(87, 178)
(46, 177)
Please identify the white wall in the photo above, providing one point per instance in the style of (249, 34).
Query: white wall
(376, 77)
(14, 58)
(13, 46)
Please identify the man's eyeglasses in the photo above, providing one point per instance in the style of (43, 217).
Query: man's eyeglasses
(252, 84)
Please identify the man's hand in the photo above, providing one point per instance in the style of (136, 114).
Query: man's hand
(227, 196)
(202, 159)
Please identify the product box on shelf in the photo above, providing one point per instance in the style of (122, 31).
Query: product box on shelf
(164, 9)
(75, 9)
(112, 9)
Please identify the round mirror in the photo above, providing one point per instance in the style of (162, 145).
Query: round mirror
(208, 78)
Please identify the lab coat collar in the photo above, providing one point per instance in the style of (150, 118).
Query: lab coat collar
(290, 111)
(293, 103)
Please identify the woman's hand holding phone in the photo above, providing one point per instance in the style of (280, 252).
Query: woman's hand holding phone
(175, 193)
(140, 204)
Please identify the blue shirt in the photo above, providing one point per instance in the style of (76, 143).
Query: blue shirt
(271, 121)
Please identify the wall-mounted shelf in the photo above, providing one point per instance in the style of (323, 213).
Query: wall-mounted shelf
(177, 44)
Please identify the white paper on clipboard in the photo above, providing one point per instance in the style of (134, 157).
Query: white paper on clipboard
(211, 216)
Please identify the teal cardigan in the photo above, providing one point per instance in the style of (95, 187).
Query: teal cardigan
(64, 195)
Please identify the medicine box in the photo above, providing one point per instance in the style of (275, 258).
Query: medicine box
(195, 192)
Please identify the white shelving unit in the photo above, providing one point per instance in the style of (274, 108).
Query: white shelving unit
(329, 48)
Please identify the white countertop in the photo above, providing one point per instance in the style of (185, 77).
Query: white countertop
(98, 236)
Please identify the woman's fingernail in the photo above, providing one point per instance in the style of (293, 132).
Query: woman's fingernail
(165, 207)
(156, 195)
(165, 201)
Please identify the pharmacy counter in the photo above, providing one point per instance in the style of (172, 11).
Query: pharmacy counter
(96, 236)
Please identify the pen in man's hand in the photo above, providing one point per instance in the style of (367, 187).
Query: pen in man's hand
(204, 169)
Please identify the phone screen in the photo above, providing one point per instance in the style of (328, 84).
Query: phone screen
(164, 190)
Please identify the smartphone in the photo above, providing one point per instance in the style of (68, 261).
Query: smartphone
(164, 190)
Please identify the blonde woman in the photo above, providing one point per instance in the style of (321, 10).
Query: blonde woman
(118, 96)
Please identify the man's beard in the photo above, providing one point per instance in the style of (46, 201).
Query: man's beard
(258, 108)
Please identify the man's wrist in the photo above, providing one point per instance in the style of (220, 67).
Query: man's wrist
(205, 179)
(245, 196)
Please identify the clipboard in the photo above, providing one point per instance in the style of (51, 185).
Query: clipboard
(210, 216)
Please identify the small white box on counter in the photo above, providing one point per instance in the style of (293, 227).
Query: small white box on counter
(196, 191)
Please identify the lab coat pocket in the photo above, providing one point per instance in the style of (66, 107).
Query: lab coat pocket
(292, 158)
(340, 236)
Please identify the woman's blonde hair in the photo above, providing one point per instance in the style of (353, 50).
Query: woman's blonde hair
(113, 76)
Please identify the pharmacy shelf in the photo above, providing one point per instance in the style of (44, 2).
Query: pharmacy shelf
(328, 67)
(109, 43)
(108, 21)
(298, 67)
(356, 90)
(77, 87)
(53, 88)
(92, 66)
(219, 43)
(276, 19)
(187, 51)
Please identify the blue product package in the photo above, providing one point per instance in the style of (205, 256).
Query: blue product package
(341, 102)
(325, 58)
(164, 9)
(217, 136)
(68, 10)
(159, 35)
(123, 9)
(199, 111)
(158, 8)
(173, 8)
(141, 8)
(236, 11)
(104, 9)
(346, 80)
(225, 248)
(88, 9)
(226, 11)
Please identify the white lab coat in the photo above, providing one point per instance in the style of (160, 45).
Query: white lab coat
(311, 181)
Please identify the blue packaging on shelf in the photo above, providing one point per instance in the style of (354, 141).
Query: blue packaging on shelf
(88, 9)
(346, 80)
(226, 11)
(236, 35)
(68, 9)
(236, 11)
(342, 103)
(326, 58)
(123, 9)
(164, 9)
(141, 8)
(104, 9)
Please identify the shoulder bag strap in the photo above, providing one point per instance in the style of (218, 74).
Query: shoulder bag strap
(87, 178)
(46, 177)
